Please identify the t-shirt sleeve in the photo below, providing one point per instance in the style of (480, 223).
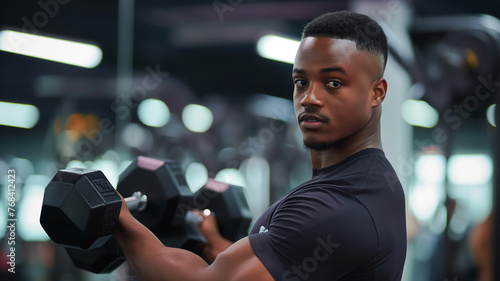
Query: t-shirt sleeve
(317, 234)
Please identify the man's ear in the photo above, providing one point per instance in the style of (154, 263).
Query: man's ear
(379, 90)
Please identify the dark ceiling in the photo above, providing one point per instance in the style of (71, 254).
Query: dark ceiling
(210, 48)
(210, 45)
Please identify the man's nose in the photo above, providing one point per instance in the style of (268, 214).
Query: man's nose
(312, 98)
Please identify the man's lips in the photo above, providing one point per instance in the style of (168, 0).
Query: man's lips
(311, 121)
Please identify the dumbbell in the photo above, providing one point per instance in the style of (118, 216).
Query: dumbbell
(107, 258)
(104, 259)
(169, 221)
(230, 206)
(166, 187)
(81, 209)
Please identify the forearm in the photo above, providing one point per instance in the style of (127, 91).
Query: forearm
(216, 244)
(150, 259)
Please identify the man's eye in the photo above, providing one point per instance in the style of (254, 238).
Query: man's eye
(300, 83)
(333, 84)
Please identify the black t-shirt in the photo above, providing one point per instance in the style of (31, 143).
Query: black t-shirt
(346, 223)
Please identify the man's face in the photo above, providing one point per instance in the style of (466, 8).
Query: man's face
(333, 94)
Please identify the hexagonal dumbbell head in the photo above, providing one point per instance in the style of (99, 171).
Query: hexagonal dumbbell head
(230, 206)
(80, 209)
(104, 259)
(163, 182)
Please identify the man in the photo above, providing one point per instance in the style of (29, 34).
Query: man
(348, 221)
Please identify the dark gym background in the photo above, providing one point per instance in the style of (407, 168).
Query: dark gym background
(203, 52)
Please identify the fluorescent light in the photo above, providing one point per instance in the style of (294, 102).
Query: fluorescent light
(197, 118)
(76, 164)
(430, 169)
(424, 200)
(138, 137)
(490, 115)
(231, 176)
(108, 168)
(30, 208)
(419, 113)
(58, 50)
(18, 115)
(153, 113)
(277, 48)
(473, 169)
(196, 176)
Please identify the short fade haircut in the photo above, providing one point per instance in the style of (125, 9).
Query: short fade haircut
(363, 30)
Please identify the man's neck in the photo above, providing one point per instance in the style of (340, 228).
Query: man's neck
(344, 149)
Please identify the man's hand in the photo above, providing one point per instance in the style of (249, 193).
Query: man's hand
(208, 227)
(151, 260)
(215, 242)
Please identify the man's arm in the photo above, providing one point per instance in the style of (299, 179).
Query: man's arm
(216, 244)
(151, 260)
